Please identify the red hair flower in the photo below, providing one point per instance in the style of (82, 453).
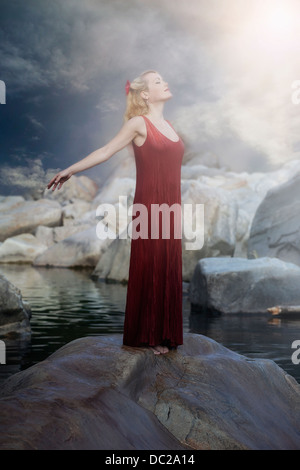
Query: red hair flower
(127, 86)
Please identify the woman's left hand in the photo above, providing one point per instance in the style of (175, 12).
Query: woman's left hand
(60, 178)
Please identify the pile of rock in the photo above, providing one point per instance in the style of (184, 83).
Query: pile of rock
(60, 228)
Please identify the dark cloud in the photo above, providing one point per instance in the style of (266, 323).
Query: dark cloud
(28, 179)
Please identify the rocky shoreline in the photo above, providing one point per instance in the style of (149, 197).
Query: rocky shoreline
(249, 261)
(245, 216)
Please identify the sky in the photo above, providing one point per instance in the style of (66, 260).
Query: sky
(231, 67)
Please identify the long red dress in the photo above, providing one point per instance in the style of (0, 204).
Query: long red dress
(153, 313)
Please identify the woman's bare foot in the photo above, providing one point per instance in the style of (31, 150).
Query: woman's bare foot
(155, 351)
(160, 349)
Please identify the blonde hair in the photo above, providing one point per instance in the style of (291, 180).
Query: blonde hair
(135, 104)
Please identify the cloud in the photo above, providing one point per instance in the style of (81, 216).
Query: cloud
(81, 45)
(249, 50)
(259, 120)
(229, 78)
(28, 179)
(35, 122)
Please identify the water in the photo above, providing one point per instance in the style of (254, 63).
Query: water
(67, 304)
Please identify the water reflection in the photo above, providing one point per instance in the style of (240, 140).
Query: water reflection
(68, 304)
(255, 336)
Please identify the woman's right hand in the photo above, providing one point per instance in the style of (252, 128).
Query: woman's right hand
(60, 178)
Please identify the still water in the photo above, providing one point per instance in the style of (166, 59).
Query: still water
(68, 304)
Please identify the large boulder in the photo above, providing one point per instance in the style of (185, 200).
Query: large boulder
(82, 248)
(239, 285)
(113, 264)
(9, 202)
(94, 393)
(15, 313)
(26, 216)
(21, 248)
(72, 212)
(275, 229)
(219, 226)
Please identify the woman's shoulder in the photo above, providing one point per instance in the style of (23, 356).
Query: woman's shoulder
(136, 120)
(137, 123)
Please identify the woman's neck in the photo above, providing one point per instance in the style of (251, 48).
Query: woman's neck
(155, 112)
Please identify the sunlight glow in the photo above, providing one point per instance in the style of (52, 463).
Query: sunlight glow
(280, 21)
(269, 31)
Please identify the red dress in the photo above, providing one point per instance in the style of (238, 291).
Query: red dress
(153, 313)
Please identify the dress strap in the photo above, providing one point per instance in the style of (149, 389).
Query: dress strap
(154, 128)
(170, 125)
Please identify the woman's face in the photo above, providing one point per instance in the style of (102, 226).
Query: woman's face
(158, 89)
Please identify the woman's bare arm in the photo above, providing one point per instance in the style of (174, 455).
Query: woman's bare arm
(128, 132)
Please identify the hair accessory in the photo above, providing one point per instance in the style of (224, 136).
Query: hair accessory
(127, 86)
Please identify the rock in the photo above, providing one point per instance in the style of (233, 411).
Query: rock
(115, 188)
(238, 285)
(275, 229)
(94, 393)
(242, 194)
(50, 236)
(27, 216)
(15, 313)
(285, 310)
(22, 248)
(75, 210)
(113, 264)
(9, 202)
(44, 235)
(83, 248)
(90, 218)
(66, 231)
(220, 219)
(77, 187)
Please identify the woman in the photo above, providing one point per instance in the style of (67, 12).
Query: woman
(153, 314)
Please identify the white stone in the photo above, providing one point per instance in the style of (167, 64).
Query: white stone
(22, 248)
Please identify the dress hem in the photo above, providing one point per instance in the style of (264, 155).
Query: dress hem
(167, 343)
